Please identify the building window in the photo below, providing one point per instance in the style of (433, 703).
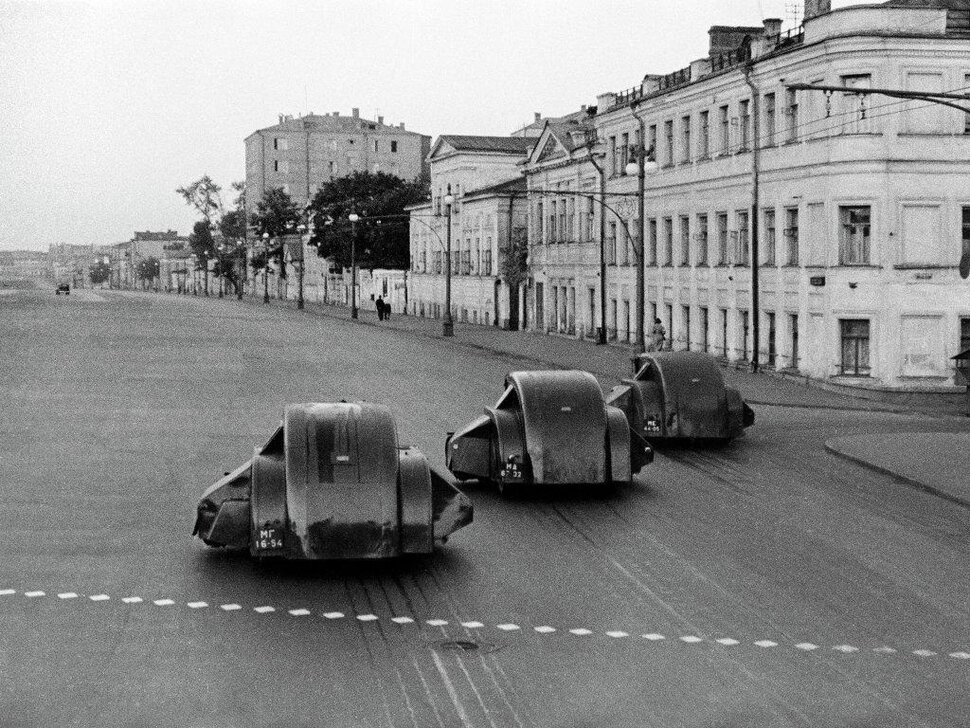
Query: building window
(791, 234)
(701, 237)
(537, 232)
(393, 146)
(741, 249)
(964, 335)
(553, 234)
(772, 352)
(652, 242)
(669, 143)
(965, 227)
(684, 240)
(563, 229)
(722, 238)
(769, 131)
(376, 145)
(791, 114)
(769, 253)
(855, 347)
(685, 139)
(624, 152)
(614, 159)
(704, 141)
(725, 123)
(705, 334)
(744, 335)
(590, 217)
(652, 138)
(745, 125)
(854, 225)
(668, 241)
(611, 244)
(488, 259)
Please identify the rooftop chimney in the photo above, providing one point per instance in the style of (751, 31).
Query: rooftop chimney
(772, 26)
(336, 113)
(356, 112)
(402, 125)
(380, 120)
(538, 116)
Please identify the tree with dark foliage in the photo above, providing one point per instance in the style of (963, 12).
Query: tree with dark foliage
(382, 233)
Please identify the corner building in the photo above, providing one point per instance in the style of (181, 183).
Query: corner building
(863, 210)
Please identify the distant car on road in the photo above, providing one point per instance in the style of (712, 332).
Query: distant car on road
(64, 288)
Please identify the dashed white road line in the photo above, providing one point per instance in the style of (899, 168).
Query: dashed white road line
(505, 626)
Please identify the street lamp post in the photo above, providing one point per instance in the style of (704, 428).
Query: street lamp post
(448, 326)
(641, 157)
(265, 267)
(353, 217)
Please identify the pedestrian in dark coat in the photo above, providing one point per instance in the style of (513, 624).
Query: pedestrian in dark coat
(380, 308)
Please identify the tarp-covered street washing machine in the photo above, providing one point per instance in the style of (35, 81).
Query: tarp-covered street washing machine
(681, 395)
(332, 483)
(548, 427)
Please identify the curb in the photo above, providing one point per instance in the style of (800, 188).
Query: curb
(896, 476)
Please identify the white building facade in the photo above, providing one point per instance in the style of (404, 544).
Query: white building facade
(863, 207)
(488, 210)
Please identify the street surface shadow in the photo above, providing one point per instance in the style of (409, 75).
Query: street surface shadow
(597, 493)
(231, 565)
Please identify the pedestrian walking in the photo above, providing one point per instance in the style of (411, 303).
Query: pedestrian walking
(658, 335)
(380, 308)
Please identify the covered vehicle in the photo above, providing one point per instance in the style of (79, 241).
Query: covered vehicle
(548, 427)
(333, 483)
(64, 288)
(681, 394)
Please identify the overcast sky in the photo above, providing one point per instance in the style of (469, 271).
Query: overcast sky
(107, 107)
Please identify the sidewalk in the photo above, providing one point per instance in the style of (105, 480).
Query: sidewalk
(613, 363)
(935, 461)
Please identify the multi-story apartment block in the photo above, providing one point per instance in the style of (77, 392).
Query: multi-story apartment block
(301, 154)
(862, 210)
(481, 173)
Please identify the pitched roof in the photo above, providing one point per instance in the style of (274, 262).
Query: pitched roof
(507, 145)
(502, 188)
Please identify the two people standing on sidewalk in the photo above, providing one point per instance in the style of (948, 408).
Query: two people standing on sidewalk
(383, 309)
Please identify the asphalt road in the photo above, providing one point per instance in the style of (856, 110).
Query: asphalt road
(764, 584)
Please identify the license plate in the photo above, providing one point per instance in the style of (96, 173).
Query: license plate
(269, 538)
